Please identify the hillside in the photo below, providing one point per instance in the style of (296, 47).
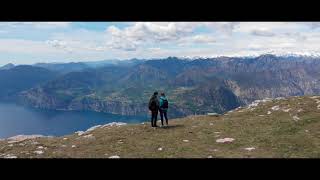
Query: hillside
(269, 128)
(21, 78)
(63, 67)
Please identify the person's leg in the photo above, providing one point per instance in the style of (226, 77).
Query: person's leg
(152, 117)
(155, 115)
(155, 118)
(165, 116)
(161, 115)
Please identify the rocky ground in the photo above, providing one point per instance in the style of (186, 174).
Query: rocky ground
(269, 128)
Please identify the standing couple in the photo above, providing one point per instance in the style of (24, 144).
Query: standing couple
(158, 104)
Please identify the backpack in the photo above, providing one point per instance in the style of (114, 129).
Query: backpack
(152, 104)
(165, 104)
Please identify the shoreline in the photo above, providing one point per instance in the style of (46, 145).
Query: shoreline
(22, 137)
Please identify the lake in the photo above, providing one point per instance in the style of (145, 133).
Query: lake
(15, 120)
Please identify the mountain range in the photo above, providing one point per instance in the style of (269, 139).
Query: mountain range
(193, 86)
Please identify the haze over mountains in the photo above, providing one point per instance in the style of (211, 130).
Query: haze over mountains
(198, 85)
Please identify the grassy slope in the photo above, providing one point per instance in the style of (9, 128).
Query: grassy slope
(276, 135)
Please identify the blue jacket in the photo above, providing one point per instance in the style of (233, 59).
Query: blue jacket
(161, 99)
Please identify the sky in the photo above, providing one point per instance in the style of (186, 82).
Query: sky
(32, 42)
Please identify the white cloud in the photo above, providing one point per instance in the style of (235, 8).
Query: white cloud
(203, 39)
(51, 24)
(154, 49)
(296, 35)
(36, 24)
(222, 27)
(59, 45)
(248, 27)
(273, 27)
(98, 48)
(255, 47)
(81, 40)
(266, 33)
(123, 45)
(25, 46)
(180, 33)
(313, 25)
(146, 32)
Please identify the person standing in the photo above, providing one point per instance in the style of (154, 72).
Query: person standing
(164, 105)
(154, 108)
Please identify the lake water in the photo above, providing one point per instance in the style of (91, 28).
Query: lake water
(15, 120)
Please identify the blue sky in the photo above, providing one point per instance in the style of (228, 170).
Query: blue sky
(32, 42)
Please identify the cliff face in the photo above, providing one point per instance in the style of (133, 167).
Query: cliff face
(43, 101)
(38, 98)
(115, 107)
(272, 84)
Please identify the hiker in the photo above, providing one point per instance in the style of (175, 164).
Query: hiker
(154, 108)
(163, 108)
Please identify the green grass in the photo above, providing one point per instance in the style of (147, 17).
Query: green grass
(274, 136)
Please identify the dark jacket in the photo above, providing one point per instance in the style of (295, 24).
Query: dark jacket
(154, 98)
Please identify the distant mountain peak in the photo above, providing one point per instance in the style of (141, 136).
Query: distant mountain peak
(313, 54)
(7, 66)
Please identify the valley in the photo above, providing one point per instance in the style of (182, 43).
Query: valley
(196, 86)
